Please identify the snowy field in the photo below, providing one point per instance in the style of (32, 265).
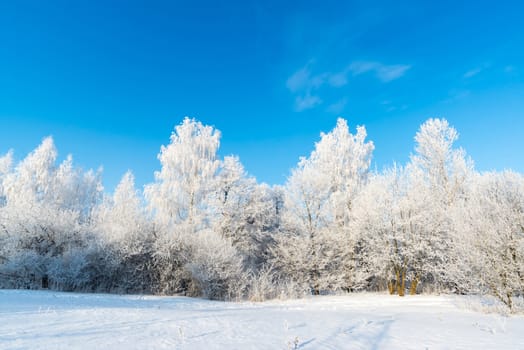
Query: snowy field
(52, 320)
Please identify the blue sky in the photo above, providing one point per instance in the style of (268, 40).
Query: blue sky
(110, 79)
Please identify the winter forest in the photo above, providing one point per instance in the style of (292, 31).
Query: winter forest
(206, 228)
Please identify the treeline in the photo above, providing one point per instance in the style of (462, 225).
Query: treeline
(206, 228)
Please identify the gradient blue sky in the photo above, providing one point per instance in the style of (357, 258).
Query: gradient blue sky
(110, 79)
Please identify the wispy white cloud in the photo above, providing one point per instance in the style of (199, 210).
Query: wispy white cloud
(389, 106)
(307, 101)
(383, 72)
(305, 85)
(456, 95)
(390, 73)
(475, 71)
(338, 107)
(338, 79)
(299, 80)
(303, 80)
(361, 67)
(471, 73)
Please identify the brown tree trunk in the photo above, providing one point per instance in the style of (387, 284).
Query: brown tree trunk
(391, 287)
(413, 287)
(397, 280)
(510, 302)
(401, 285)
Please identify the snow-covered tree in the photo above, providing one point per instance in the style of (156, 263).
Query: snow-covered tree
(382, 221)
(317, 248)
(6, 166)
(121, 217)
(180, 194)
(438, 184)
(76, 190)
(207, 228)
(247, 212)
(32, 180)
(495, 235)
(442, 168)
(183, 203)
(126, 239)
(45, 216)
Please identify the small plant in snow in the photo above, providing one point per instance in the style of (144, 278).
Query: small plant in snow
(293, 344)
(181, 334)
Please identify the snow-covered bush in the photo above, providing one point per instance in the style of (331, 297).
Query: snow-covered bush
(216, 267)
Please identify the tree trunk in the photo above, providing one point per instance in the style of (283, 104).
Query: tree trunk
(510, 302)
(401, 285)
(391, 287)
(413, 287)
(397, 280)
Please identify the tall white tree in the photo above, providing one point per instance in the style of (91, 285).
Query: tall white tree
(47, 211)
(439, 173)
(126, 239)
(189, 166)
(183, 203)
(387, 237)
(75, 189)
(32, 180)
(494, 227)
(121, 216)
(319, 198)
(6, 167)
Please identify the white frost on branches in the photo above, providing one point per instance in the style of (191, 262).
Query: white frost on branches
(206, 227)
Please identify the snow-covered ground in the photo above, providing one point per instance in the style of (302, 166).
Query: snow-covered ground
(52, 320)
